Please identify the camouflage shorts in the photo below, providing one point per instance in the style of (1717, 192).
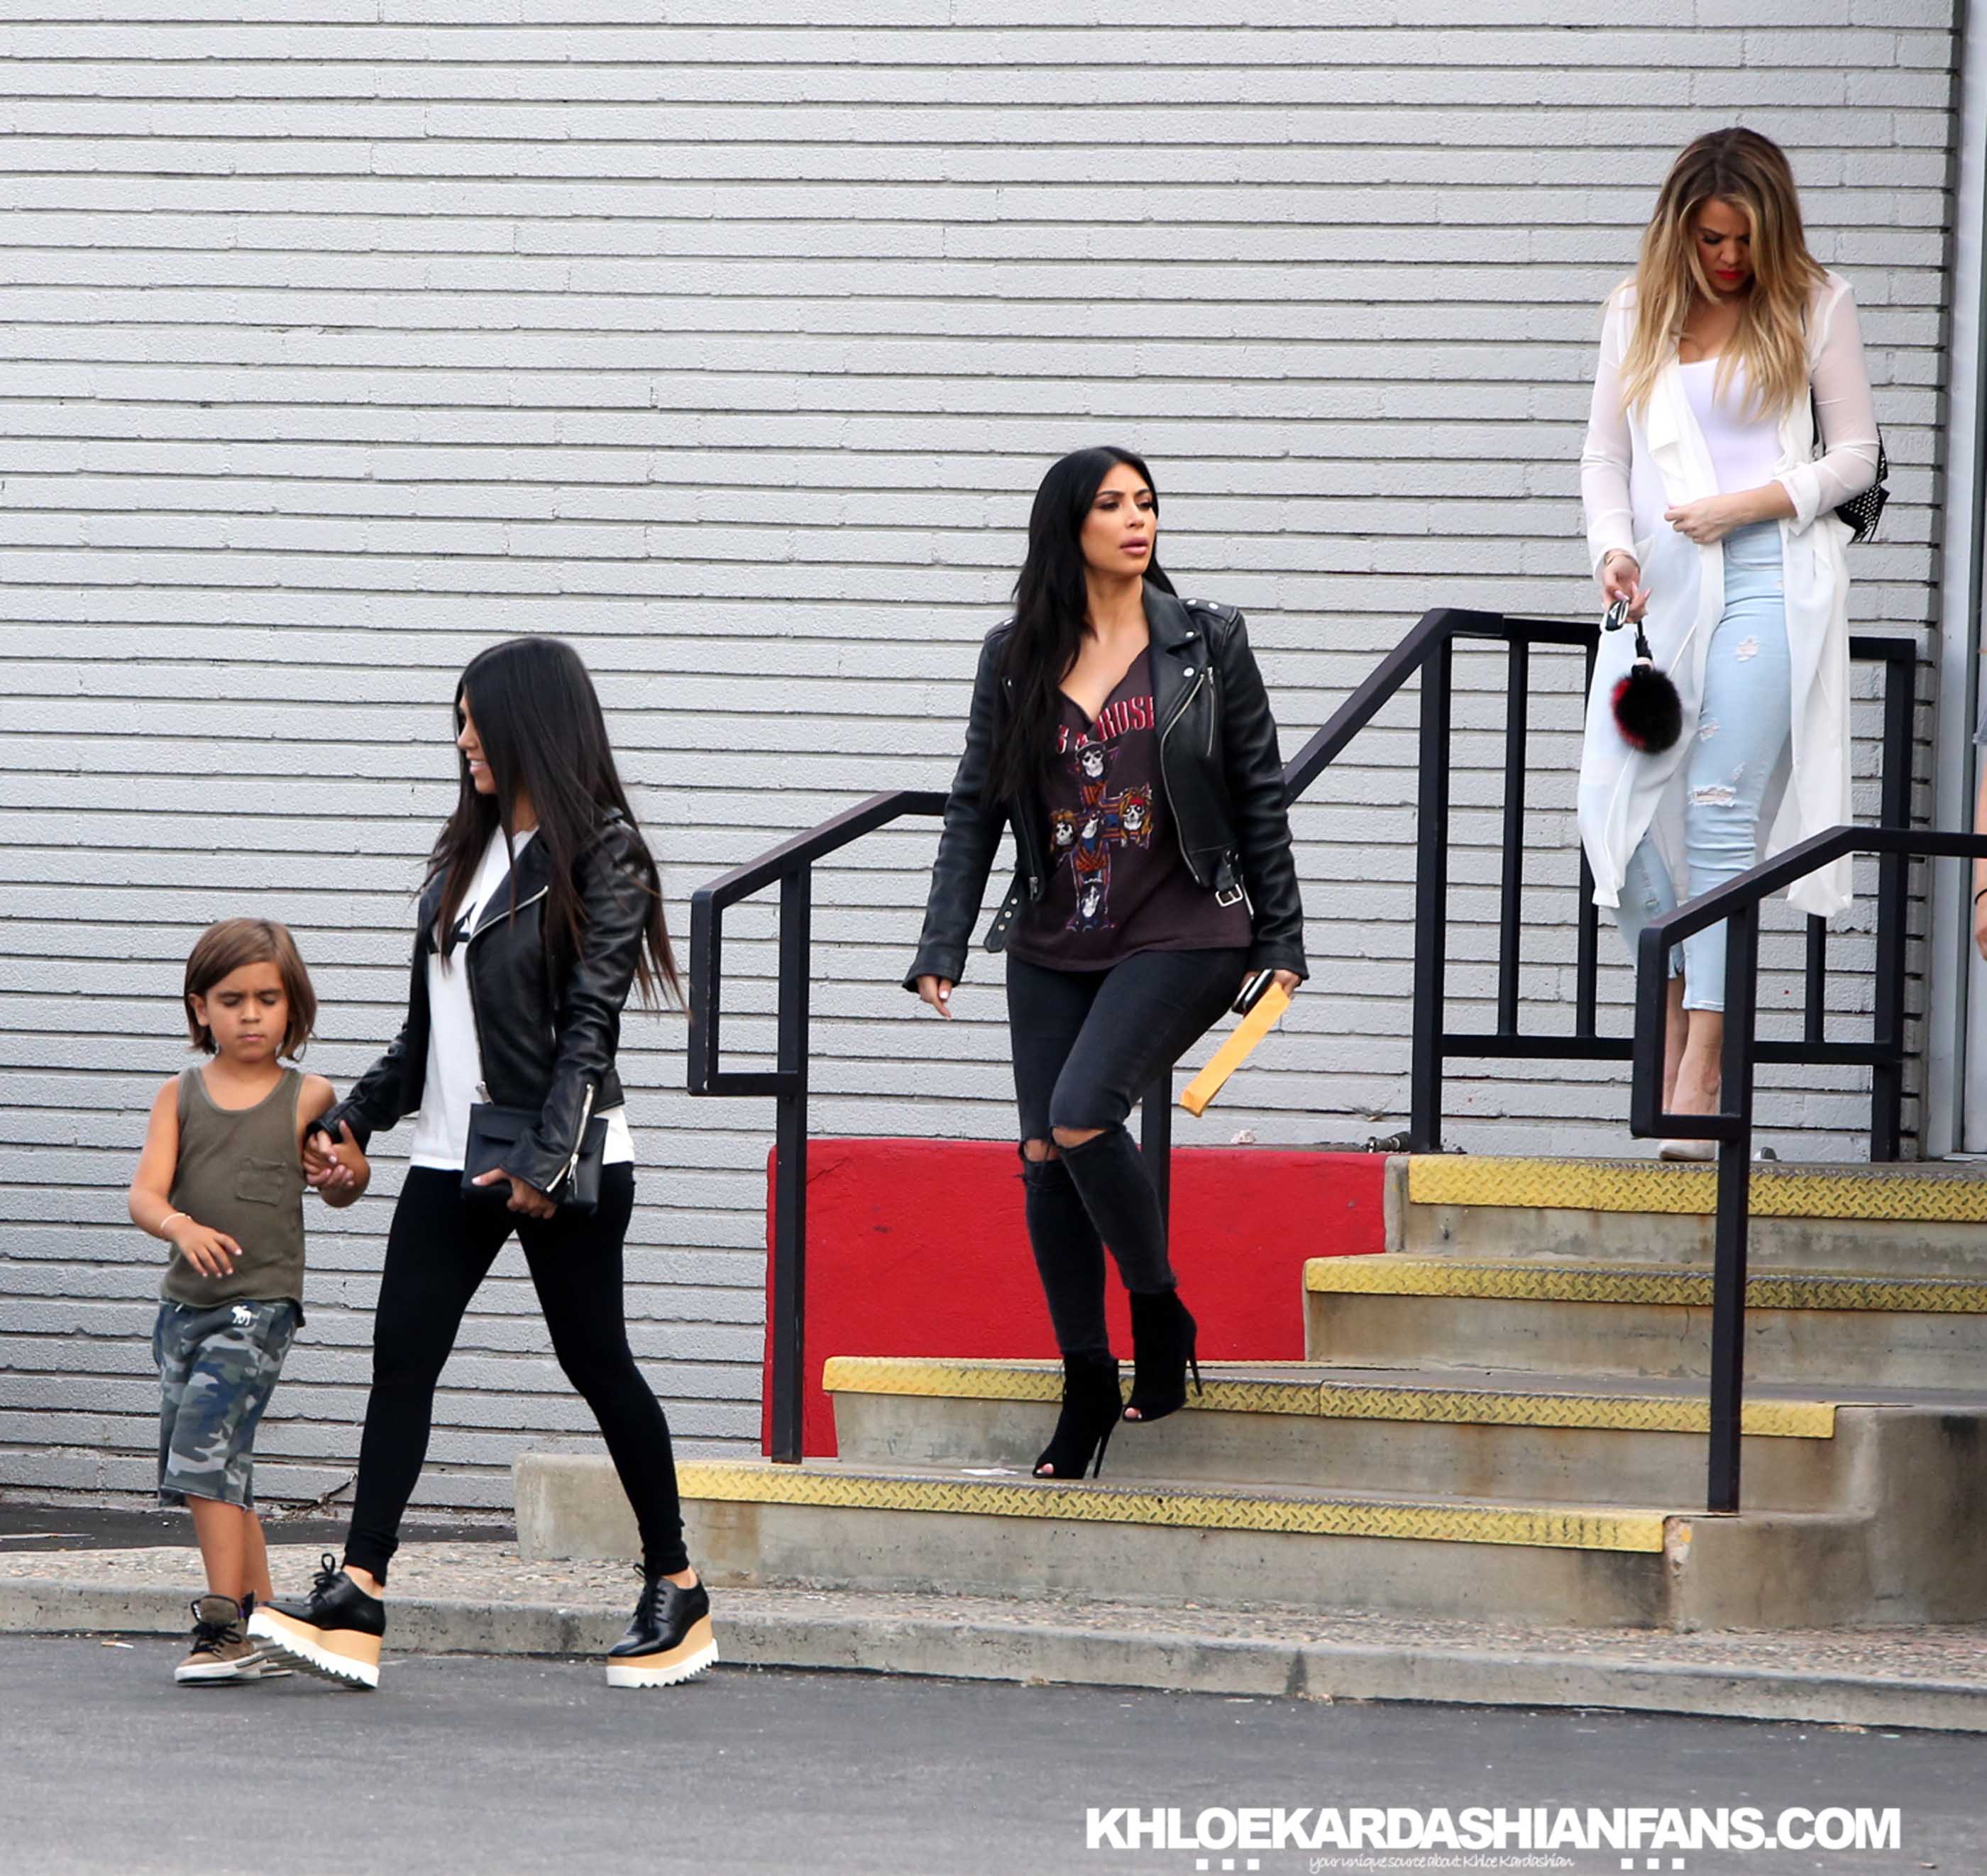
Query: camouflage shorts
(217, 1367)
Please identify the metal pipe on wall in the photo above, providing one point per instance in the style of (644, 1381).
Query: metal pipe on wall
(1955, 1116)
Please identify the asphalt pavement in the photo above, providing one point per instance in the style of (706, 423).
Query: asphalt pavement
(464, 1766)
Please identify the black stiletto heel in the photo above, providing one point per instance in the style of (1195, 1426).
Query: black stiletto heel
(1164, 1344)
(1091, 1401)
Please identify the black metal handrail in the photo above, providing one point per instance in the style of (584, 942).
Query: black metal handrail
(1433, 1043)
(790, 866)
(1427, 649)
(1738, 903)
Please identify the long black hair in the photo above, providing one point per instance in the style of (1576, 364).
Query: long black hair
(1051, 598)
(539, 722)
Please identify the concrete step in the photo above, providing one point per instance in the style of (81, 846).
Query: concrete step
(832, 1524)
(1854, 1219)
(1496, 1438)
(1821, 1330)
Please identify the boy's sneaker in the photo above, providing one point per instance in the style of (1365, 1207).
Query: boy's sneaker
(335, 1632)
(668, 1639)
(221, 1651)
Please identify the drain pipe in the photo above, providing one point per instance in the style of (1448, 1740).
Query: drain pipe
(1956, 1074)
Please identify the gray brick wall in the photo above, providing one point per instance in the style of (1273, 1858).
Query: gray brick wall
(344, 337)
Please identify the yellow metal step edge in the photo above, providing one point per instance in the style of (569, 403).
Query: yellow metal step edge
(744, 1482)
(988, 1381)
(1608, 1413)
(1606, 1186)
(1331, 1400)
(1390, 1274)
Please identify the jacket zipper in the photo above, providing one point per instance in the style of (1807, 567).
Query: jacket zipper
(469, 981)
(1165, 780)
(579, 1140)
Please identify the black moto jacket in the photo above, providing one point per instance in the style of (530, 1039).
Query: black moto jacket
(545, 1045)
(1223, 774)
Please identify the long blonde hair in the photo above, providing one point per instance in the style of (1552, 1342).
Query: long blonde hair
(1751, 172)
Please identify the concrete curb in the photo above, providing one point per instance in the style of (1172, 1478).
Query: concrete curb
(1050, 1654)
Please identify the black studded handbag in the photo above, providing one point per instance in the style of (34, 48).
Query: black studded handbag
(1862, 512)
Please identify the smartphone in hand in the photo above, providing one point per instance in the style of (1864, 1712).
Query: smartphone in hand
(1252, 991)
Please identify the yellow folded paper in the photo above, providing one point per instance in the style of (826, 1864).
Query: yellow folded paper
(1232, 1053)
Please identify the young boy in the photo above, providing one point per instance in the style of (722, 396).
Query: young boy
(221, 1179)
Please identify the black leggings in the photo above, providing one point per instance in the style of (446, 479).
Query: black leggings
(439, 1250)
(1087, 1044)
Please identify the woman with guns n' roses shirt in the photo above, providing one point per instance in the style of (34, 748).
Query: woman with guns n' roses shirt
(1126, 735)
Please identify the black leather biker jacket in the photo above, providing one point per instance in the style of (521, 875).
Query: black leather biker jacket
(1223, 774)
(544, 1045)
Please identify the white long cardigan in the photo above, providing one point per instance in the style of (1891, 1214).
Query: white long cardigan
(1636, 464)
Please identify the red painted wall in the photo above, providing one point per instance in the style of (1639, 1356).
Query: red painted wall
(916, 1247)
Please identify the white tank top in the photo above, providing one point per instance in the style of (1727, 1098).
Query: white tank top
(1745, 449)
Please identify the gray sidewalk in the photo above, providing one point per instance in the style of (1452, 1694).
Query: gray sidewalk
(479, 1597)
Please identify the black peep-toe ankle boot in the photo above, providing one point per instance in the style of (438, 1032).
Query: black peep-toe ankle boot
(1091, 1402)
(1162, 1351)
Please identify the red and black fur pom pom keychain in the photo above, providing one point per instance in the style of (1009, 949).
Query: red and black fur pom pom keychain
(1648, 710)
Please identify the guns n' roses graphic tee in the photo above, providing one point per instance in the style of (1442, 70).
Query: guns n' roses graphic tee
(1117, 884)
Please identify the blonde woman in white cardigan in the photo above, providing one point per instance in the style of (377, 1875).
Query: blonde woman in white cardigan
(1710, 508)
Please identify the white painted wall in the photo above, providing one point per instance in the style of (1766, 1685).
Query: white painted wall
(342, 337)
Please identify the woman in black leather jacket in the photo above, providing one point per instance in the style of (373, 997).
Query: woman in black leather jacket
(542, 909)
(1124, 736)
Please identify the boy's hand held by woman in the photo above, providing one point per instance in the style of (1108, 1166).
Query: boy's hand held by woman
(337, 1169)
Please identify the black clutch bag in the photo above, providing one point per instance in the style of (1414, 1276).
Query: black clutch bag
(493, 1135)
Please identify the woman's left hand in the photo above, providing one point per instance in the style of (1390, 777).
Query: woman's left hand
(524, 1197)
(1286, 980)
(1706, 522)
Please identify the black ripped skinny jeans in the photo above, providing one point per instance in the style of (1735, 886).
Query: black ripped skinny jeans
(1086, 1045)
(438, 1251)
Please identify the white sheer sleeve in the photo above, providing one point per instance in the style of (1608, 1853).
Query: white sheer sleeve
(1848, 416)
(1605, 460)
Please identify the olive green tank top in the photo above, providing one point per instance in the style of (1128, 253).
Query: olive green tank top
(240, 1172)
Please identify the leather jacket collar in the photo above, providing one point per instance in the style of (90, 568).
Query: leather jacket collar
(534, 881)
(1180, 654)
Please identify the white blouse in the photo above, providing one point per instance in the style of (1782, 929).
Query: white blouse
(1610, 480)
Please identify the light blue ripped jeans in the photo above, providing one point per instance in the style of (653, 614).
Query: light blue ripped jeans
(1741, 732)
